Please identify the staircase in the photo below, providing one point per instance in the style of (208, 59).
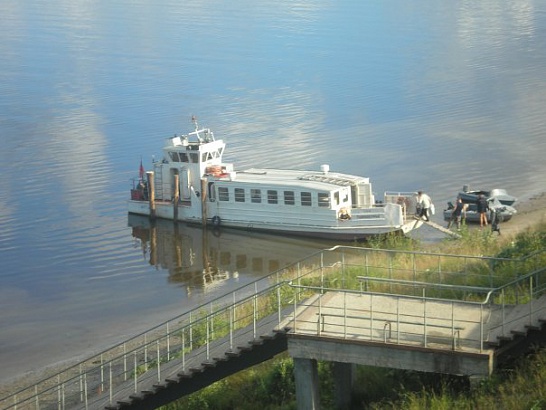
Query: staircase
(524, 326)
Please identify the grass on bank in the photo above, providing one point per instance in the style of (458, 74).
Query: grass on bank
(270, 385)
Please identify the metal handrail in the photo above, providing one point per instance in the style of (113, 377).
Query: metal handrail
(159, 341)
(365, 317)
(425, 284)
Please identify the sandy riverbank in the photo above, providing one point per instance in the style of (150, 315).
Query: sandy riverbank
(531, 211)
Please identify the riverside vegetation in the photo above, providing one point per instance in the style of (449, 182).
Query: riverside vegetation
(522, 385)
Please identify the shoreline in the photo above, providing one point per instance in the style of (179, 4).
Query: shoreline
(530, 211)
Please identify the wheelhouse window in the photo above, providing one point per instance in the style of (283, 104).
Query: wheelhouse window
(178, 156)
(223, 194)
(174, 156)
(289, 198)
(255, 196)
(272, 196)
(209, 155)
(239, 195)
(306, 199)
(323, 200)
(336, 198)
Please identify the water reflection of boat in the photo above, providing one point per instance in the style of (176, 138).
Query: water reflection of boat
(198, 257)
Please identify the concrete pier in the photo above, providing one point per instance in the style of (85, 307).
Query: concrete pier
(307, 382)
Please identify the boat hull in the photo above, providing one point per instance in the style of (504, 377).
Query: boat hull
(498, 200)
(349, 230)
(471, 197)
(474, 216)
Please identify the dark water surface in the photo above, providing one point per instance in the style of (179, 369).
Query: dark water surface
(417, 94)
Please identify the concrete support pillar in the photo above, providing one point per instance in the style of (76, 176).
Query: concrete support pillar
(344, 374)
(475, 381)
(307, 384)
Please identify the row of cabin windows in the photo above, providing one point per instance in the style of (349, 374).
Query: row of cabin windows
(272, 196)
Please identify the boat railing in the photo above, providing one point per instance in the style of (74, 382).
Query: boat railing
(407, 200)
(368, 213)
(390, 213)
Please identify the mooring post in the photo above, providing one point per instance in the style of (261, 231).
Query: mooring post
(204, 200)
(151, 193)
(176, 198)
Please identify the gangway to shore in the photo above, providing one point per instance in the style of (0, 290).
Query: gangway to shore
(442, 229)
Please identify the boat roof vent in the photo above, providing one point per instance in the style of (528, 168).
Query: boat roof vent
(330, 179)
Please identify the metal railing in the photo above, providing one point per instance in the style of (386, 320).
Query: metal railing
(528, 294)
(176, 345)
(394, 319)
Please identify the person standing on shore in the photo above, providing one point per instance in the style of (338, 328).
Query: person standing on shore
(483, 207)
(424, 203)
(457, 214)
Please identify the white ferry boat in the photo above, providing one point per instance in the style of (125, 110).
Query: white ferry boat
(192, 184)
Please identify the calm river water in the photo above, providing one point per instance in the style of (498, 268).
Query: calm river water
(413, 94)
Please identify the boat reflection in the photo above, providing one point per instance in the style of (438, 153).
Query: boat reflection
(201, 258)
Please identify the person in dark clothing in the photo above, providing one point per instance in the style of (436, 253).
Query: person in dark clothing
(456, 214)
(483, 207)
(495, 221)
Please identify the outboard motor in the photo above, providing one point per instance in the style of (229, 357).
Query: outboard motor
(496, 219)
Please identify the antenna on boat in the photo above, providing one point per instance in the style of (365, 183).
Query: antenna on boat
(194, 120)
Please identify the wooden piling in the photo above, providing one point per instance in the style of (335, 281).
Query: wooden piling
(153, 244)
(176, 198)
(204, 201)
(151, 193)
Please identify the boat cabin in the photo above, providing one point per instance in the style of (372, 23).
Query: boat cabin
(197, 158)
(193, 184)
